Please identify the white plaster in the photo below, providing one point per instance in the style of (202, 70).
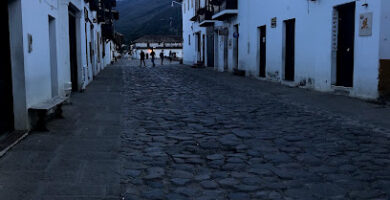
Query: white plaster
(313, 41)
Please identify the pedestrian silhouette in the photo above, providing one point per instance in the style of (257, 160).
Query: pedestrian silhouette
(142, 59)
(152, 54)
(170, 57)
(162, 57)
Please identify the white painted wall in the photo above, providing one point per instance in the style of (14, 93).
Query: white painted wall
(189, 34)
(32, 69)
(37, 62)
(385, 30)
(313, 58)
(313, 41)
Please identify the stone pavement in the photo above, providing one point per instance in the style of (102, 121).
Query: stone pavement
(173, 132)
(79, 158)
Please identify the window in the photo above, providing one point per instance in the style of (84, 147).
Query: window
(189, 40)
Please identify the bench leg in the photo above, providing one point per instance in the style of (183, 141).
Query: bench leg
(59, 111)
(41, 124)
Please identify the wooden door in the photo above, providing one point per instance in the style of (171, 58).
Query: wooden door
(345, 46)
(289, 67)
(6, 98)
(263, 54)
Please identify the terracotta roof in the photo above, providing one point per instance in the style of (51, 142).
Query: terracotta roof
(158, 39)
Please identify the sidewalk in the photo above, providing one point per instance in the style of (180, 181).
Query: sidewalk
(79, 158)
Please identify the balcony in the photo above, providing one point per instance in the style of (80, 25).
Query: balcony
(205, 17)
(108, 31)
(115, 14)
(194, 18)
(101, 16)
(225, 9)
(93, 4)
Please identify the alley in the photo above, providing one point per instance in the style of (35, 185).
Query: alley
(174, 132)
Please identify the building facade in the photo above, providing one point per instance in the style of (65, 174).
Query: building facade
(194, 35)
(159, 43)
(54, 47)
(338, 45)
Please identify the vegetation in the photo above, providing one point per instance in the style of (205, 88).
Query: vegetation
(148, 17)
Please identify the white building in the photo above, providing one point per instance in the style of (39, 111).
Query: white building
(54, 46)
(159, 43)
(198, 39)
(327, 45)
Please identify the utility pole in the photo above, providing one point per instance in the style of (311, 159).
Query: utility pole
(172, 5)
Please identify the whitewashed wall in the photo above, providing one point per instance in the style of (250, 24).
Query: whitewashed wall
(313, 59)
(37, 62)
(189, 34)
(313, 42)
(32, 78)
(385, 30)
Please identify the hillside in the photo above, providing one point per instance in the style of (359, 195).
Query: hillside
(148, 17)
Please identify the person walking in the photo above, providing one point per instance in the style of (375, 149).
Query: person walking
(162, 57)
(142, 59)
(153, 55)
(170, 57)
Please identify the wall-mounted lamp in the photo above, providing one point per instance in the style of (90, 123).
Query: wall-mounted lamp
(175, 2)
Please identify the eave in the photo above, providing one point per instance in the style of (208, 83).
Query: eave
(225, 14)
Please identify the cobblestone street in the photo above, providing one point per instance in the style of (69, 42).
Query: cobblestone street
(174, 132)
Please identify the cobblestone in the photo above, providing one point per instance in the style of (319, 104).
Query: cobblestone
(253, 144)
(172, 132)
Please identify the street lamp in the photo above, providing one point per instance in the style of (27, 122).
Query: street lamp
(173, 3)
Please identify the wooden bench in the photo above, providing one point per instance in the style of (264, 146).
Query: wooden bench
(44, 107)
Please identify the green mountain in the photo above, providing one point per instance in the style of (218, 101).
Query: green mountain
(148, 17)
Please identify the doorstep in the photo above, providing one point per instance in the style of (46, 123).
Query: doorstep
(341, 90)
(289, 83)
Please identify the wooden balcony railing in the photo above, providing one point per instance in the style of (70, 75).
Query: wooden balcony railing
(221, 5)
(205, 14)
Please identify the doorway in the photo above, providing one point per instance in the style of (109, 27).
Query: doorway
(236, 42)
(289, 60)
(53, 56)
(203, 49)
(210, 47)
(345, 45)
(262, 51)
(198, 48)
(225, 52)
(73, 49)
(6, 100)
(216, 49)
(92, 48)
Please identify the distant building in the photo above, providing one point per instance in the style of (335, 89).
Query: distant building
(158, 43)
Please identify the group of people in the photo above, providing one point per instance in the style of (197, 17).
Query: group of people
(153, 56)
